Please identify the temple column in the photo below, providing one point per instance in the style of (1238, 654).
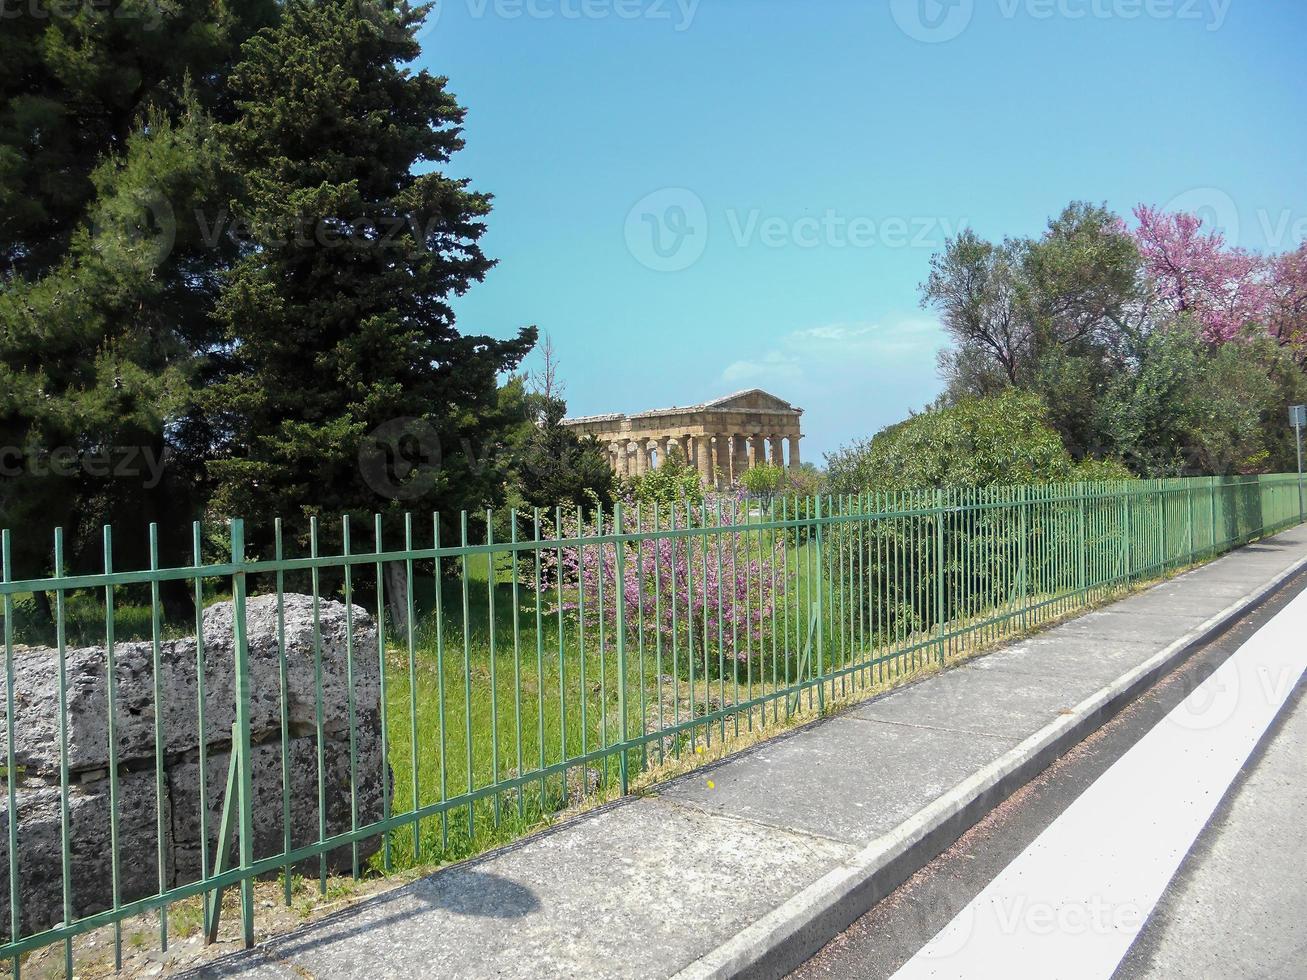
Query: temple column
(703, 457)
(778, 451)
(739, 456)
(759, 450)
(684, 443)
(719, 459)
(794, 451)
(634, 453)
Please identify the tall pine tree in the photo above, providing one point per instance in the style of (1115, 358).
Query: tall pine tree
(347, 387)
(106, 284)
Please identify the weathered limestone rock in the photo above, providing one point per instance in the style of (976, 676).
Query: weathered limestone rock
(36, 746)
(40, 849)
(302, 753)
(36, 742)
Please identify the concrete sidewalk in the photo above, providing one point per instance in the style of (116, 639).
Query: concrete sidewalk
(797, 836)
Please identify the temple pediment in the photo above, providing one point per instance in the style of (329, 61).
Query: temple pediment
(753, 399)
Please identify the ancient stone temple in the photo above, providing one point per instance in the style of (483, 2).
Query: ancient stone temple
(720, 438)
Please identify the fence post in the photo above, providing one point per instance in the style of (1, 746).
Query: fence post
(1189, 500)
(241, 748)
(11, 762)
(1082, 539)
(1129, 556)
(1163, 517)
(939, 571)
(620, 599)
(1211, 488)
(1024, 543)
(821, 642)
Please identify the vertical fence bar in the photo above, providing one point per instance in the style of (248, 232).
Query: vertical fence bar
(410, 613)
(491, 582)
(1023, 563)
(540, 654)
(11, 763)
(467, 679)
(242, 747)
(319, 714)
(821, 616)
(439, 584)
(156, 666)
(283, 687)
(517, 658)
(939, 572)
(111, 672)
(65, 827)
(351, 708)
(620, 598)
(384, 695)
(201, 697)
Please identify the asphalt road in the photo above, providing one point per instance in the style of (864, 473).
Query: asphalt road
(1236, 906)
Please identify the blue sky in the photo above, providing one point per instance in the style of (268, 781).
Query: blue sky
(697, 197)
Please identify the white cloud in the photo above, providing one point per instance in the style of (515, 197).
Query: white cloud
(851, 378)
(812, 352)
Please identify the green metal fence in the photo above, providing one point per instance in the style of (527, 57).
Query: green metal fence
(541, 658)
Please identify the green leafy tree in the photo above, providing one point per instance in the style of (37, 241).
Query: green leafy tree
(763, 480)
(1047, 314)
(670, 484)
(1189, 407)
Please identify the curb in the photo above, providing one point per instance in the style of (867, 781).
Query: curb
(790, 934)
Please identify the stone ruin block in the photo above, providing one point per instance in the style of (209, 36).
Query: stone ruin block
(40, 849)
(36, 746)
(269, 839)
(36, 741)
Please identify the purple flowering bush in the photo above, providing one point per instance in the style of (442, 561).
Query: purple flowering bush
(713, 591)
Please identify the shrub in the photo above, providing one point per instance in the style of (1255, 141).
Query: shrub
(1001, 440)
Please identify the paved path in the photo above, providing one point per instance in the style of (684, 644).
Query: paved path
(727, 862)
(1076, 876)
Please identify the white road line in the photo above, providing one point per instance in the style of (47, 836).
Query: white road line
(1070, 904)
